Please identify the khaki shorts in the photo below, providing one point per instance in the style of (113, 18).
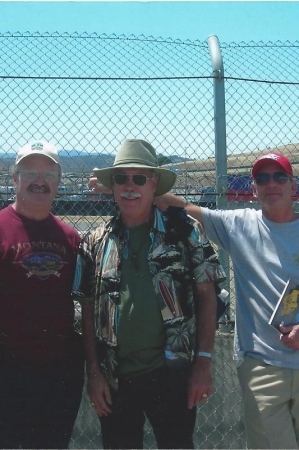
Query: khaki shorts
(271, 404)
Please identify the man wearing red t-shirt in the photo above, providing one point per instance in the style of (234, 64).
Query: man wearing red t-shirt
(41, 356)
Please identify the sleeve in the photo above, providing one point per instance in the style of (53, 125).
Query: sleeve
(217, 225)
(205, 262)
(84, 280)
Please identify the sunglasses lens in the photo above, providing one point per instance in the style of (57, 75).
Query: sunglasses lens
(120, 178)
(280, 177)
(140, 180)
(264, 178)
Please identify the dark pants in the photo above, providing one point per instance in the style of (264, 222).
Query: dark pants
(161, 396)
(38, 409)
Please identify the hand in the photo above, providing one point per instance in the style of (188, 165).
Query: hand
(200, 383)
(99, 393)
(97, 187)
(290, 336)
(168, 199)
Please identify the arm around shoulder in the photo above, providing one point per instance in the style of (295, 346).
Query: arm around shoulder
(166, 200)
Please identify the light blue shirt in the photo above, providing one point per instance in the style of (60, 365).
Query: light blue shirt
(265, 255)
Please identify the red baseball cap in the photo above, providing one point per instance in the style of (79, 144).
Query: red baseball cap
(280, 159)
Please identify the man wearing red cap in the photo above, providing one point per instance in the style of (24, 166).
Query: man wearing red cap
(264, 248)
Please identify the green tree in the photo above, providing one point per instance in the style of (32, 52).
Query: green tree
(163, 160)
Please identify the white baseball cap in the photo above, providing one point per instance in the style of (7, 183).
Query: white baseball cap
(38, 148)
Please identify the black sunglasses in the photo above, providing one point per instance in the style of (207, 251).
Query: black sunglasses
(262, 179)
(123, 178)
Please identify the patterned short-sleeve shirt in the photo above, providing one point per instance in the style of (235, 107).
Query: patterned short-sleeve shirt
(98, 278)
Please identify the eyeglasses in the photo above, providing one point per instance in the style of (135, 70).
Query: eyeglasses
(123, 178)
(262, 179)
(33, 174)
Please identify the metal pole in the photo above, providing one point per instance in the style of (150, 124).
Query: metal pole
(219, 121)
(220, 139)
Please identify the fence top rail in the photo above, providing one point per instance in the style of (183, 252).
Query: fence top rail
(102, 56)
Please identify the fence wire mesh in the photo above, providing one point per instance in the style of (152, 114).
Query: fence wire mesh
(87, 93)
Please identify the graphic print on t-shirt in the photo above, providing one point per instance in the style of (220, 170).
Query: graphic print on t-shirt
(42, 264)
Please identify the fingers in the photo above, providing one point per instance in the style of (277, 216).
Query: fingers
(100, 399)
(290, 336)
(93, 182)
(98, 188)
(196, 398)
(198, 394)
(285, 330)
(101, 407)
(108, 395)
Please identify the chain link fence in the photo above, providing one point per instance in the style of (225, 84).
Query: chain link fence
(87, 93)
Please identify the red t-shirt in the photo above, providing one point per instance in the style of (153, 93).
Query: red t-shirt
(37, 263)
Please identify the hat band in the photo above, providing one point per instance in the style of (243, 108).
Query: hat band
(137, 163)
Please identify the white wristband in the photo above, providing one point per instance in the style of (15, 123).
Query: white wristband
(204, 354)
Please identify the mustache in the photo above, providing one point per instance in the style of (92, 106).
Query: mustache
(39, 189)
(130, 195)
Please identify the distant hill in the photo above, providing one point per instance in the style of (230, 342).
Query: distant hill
(83, 163)
(177, 159)
(72, 153)
(71, 161)
(76, 161)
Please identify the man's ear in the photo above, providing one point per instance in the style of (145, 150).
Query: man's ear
(157, 178)
(294, 186)
(14, 178)
(253, 187)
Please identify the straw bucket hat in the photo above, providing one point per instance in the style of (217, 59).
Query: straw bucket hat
(134, 154)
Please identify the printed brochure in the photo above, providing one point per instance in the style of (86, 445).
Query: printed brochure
(286, 311)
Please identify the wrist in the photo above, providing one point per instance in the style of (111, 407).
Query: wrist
(186, 203)
(203, 354)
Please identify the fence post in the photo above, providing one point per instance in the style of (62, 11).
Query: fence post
(220, 138)
(219, 120)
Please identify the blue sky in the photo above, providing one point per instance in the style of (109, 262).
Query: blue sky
(230, 21)
(160, 117)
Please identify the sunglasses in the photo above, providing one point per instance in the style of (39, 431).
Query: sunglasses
(262, 179)
(123, 178)
(33, 174)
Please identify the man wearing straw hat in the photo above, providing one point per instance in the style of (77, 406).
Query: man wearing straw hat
(148, 334)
